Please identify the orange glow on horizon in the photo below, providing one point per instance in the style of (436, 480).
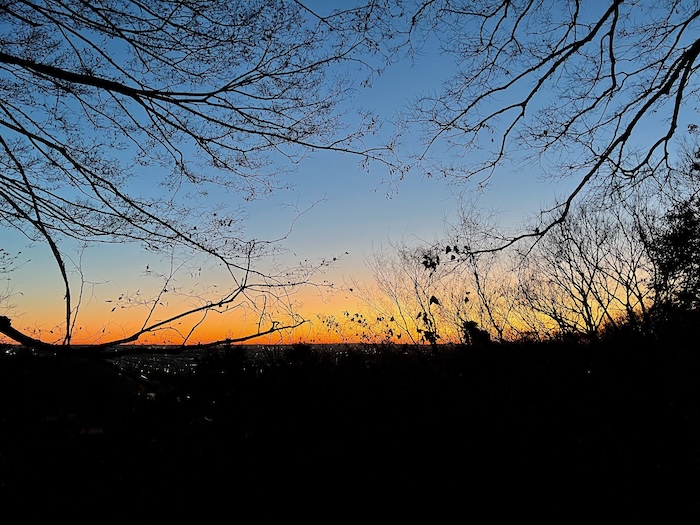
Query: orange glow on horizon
(101, 322)
(304, 333)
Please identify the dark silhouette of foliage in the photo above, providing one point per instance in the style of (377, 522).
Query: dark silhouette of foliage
(675, 252)
(314, 423)
(475, 336)
(430, 261)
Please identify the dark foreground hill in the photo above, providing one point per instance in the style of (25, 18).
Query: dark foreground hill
(290, 430)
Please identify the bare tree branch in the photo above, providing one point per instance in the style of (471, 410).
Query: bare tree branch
(596, 92)
(193, 98)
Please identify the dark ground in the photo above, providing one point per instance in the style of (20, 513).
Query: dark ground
(508, 430)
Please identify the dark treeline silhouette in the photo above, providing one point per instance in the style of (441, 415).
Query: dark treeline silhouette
(255, 426)
(308, 421)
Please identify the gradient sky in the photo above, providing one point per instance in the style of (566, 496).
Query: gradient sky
(354, 212)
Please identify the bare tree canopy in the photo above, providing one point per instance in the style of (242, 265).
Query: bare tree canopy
(590, 92)
(117, 117)
(197, 92)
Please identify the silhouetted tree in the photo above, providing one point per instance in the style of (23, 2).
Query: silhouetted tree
(591, 271)
(425, 295)
(592, 93)
(117, 118)
(475, 336)
(8, 264)
(675, 251)
(406, 289)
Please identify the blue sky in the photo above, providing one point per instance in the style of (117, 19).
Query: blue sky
(354, 211)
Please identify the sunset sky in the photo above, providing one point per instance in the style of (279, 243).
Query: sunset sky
(351, 212)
